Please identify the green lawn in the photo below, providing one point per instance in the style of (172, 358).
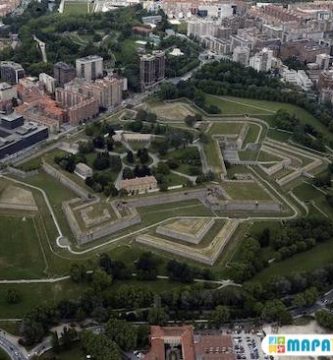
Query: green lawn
(21, 255)
(77, 7)
(36, 294)
(307, 261)
(310, 195)
(156, 213)
(223, 128)
(234, 105)
(4, 355)
(73, 354)
(245, 191)
(278, 135)
(248, 155)
(252, 134)
(265, 156)
(212, 154)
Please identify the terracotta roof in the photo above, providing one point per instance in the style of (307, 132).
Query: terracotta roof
(147, 180)
(158, 335)
(204, 347)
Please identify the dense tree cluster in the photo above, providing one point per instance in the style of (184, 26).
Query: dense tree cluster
(180, 65)
(229, 78)
(300, 235)
(51, 28)
(325, 319)
(169, 91)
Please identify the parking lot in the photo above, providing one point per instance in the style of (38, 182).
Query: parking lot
(248, 347)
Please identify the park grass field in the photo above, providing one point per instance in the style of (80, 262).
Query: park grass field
(236, 106)
(263, 109)
(212, 154)
(252, 134)
(80, 7)
(245, 191)
(265, 156)
(34, 294)
(317, 257)
(223, 128)
(172, 111)
(313, 196)
(75, 353)
(21, 254)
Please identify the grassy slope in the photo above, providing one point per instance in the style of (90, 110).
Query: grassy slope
(264, 107)
(21, 255)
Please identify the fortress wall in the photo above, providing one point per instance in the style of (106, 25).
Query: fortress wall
(254, 206)
(21, 173)
(73, 186)
(85, 236)
(166, 198)
(20, 207)
(207, 256)
(193, 239)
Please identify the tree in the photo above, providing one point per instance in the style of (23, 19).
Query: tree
(275, 310)
(220, 316)
(264, 237)
(105, 263)
(110, 144)
(55, 342)
(122, 333)
(157, 316)
(141, 115)
(128, 173)
(325, 319)
(78, 273)
(163, 168)
(130, 157)
(102, 161)
(190, 120)
(115, 163)
(99, 346)
(101, 280)
(147, 266)
(111, 189)
(13, 296)
(151, 117)
(99, 142)
(68, 336)
(178, 271)
(143, 155)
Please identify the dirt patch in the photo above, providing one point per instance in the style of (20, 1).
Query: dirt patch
(172, 111)
(15, 195)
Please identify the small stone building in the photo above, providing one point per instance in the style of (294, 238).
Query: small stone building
(83, 170)
(139, 185)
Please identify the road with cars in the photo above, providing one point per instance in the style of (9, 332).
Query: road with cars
(11, 349)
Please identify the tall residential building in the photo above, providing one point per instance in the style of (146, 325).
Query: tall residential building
(159, 65)
(11, 72)
(89, 67)
(107, 91)
(7, 92)
(152, 69)
(323, 60)
(241, 55)
(63, 73)
(77, 107)
(48, 82)
(262, 61)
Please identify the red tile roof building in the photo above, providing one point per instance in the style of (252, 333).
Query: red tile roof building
(180, 342)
